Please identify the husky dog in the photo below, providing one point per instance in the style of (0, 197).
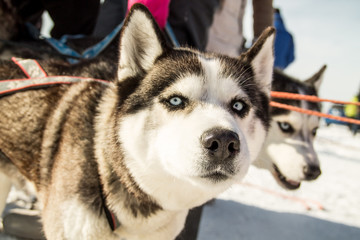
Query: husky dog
(175, 129)
(99, 68)
(288, 151)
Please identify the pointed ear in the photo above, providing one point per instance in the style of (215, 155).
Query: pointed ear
(317, 78)
(141, 42)
(261, 58)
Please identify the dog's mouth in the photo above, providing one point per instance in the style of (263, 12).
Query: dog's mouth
(216, 176)
(287, 183)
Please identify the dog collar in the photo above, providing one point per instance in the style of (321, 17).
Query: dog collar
(110, 216)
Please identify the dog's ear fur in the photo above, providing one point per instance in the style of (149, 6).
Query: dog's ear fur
(261, 58)
(141, 43)
(317, 78)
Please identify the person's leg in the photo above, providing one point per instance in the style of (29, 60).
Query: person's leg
(191, 20)
(112, 13)
(192, 224)
(72, 16)
(23, 223)
(5, 186)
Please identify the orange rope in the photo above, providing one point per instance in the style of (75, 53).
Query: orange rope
(310, 112)
(309, 98)
(304, 202)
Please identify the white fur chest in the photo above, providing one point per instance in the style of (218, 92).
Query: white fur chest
(81, 223)
(163, 225)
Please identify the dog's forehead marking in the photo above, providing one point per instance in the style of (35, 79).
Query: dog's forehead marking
(210, 85)
(309, 121)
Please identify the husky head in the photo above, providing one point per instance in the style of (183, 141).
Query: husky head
(289, 152)
(188, 124)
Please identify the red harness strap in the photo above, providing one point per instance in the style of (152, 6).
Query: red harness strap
(30, 67)
(37, 78)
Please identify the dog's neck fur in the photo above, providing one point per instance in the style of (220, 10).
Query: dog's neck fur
(136, 211)
(120, 185)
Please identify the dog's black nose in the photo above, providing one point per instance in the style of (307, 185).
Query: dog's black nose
(220, 143)
(311, 172)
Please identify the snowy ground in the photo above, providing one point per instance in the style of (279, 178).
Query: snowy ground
(327, 208)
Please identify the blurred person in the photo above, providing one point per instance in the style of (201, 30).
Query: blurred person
(113, 12)
(353, 111)
(190, 20)
(69, 16)
(158, 8)
(226, 32)
(284, 43)
(212, 25)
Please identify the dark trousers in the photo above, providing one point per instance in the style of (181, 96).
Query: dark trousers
(191, 21)
(69, 16)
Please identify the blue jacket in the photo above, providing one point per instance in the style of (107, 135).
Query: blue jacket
(284, 44)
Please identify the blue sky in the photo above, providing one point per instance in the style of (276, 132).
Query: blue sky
(325, 32)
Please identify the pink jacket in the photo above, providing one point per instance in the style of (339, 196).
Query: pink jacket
(158, 8)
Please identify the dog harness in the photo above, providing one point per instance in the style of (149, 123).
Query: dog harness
(38, 78)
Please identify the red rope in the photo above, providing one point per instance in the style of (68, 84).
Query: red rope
(304, 202)
(311, 98)
(310, 112)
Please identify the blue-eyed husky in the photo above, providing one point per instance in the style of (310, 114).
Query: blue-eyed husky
(175, 129)
(288, 151)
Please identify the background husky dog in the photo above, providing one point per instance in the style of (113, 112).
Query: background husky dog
(288, 151)
(174, 130)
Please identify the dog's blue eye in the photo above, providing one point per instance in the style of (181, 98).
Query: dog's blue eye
(286, 127)
(238, 106)
(175, 101)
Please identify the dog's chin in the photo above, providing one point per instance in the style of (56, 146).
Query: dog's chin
(220, 175)
(285, 182)
(216, 176)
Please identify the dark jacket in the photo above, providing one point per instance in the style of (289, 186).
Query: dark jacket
(284, 44)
